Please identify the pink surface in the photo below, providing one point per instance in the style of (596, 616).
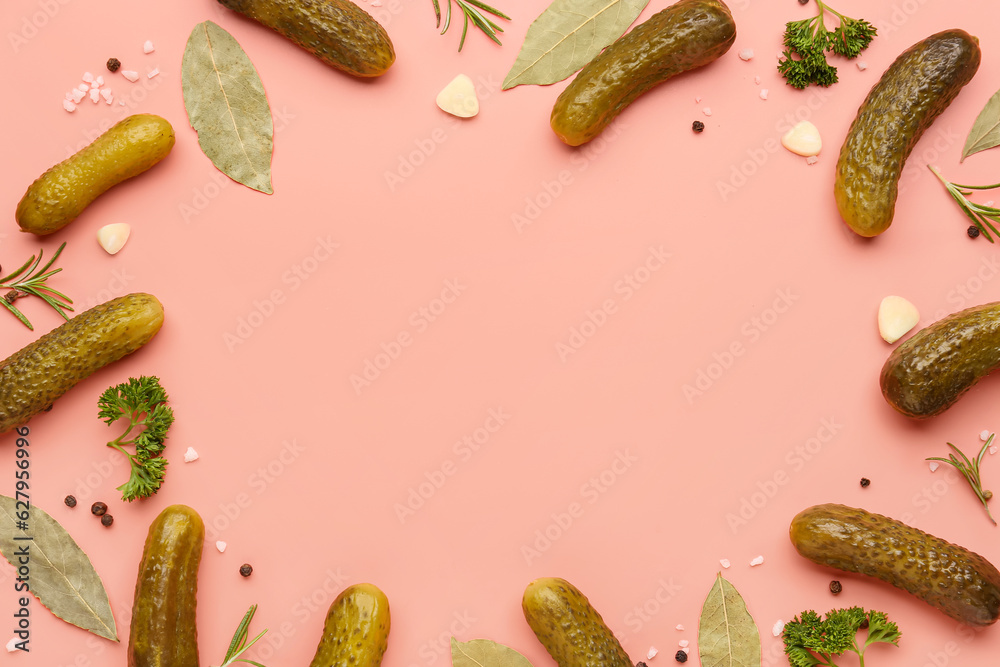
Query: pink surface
(677, 247)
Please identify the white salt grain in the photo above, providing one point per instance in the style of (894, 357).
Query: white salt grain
(812, 159)
(934, 465)
(12, 645)
(107, 94)
(69, 106)
(993, 449)
(862, 65)
(779, 626)
(707, 111)
(759, 560)
(376, 3)
(95, 95)
(678, 627)
(153, 72)
(77, 95)
(190, 455)
(746, 54)
(100, 80)
(756, 80)
(130, 75)
(697, 100)
(763, 93)
(88, 77)
(148, 47)
(94, 84)
(84, 87)
(724, 562)
(651, 653)
(683, 643)
(984, 435)
(221, 546)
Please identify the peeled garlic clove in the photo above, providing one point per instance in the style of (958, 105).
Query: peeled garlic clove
(803, 139)
(459, 98)
(113, 237)
(896, 316)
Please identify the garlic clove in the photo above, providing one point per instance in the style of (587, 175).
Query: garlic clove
(803, 139)
(113, 237)
(896, 316)
(459, 98)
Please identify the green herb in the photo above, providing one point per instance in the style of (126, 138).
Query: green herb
(980, 214)
(239, 643)
(471, 11)
(143, 403)
(808, 40)
(810, 640)
(27, 281)
(970, 470)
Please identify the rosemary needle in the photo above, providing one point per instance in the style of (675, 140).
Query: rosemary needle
(27, 281)
(970, 470)
(472, 10)
(982, 216)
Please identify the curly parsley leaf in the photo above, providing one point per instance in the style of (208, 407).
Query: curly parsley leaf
(804, 61)
(811, 640)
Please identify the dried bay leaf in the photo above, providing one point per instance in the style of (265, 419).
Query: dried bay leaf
(985, 132)
(485, 653)
(227, 107)
(567, 36)
(60, 574)
(727, 634)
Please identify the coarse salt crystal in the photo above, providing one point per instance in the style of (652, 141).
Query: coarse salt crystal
(94, 84)
(933, 465)
(746, 54)
(131, 75)
(707, 111)
(678, 627)
(78, 94)
(12, 645)
(763, 93)
(221, 546)
(121, 102)
(993, 449)
(756, 80)
(153, 72)
(862, 65)
(759, 560)
(683, 643)
(88, 77)
(147, 47)
(190, 455)
(697, 100)
(812, 159)
(95, 95)
(651, 653)
(69, 95)
(107, 94)
(100, 80)
(779, 625)
(68, 105)
(984, 435)
(376, 3)
(724, 562)
(84, 87)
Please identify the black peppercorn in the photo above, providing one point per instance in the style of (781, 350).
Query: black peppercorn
(865, 482)
(640, 664)
(864, 624)
(681, 656)
(70, 501)
(972, 231)
(835, 587)
(697, 126)
(98, 509)
(107, 520)
(803, 2)
(114, 64)
(246, 569)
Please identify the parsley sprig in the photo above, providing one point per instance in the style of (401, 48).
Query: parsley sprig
(143, 403)
(239, 643)
(810, 640)
(980, 214)
(471, 10)
(970, 471)
(808, 40)
(30, 280)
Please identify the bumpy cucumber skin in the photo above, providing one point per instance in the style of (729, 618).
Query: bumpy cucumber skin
(60, 195)
(932, 369)
(685, 35)
(32, 378)
(338, 32)
(569, 627)
(163, 631)
(912, 92)
(962, 584)
(356, 632)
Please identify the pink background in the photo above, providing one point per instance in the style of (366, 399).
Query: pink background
(303, 473)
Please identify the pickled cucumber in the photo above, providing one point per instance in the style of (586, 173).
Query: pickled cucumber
(962, 584)
(356, 632)
(685, 35)
(925, 375)
(163, 631)
(35, 376)
(912, 92)
(569, 627)
(338, 32)
(58, 196)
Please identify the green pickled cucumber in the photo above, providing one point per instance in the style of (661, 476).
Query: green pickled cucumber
(962, 584)
(356, 632)
(912, 92)
(931, 370)
(60, 195)
(32, 378)
(569, 627)
(685, 35)
(164, 632)
(338, 32)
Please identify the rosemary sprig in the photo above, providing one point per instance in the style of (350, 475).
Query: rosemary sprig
(471, 11)
(970, 470)
(239, 643)
(27, 281)
(982, 216)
